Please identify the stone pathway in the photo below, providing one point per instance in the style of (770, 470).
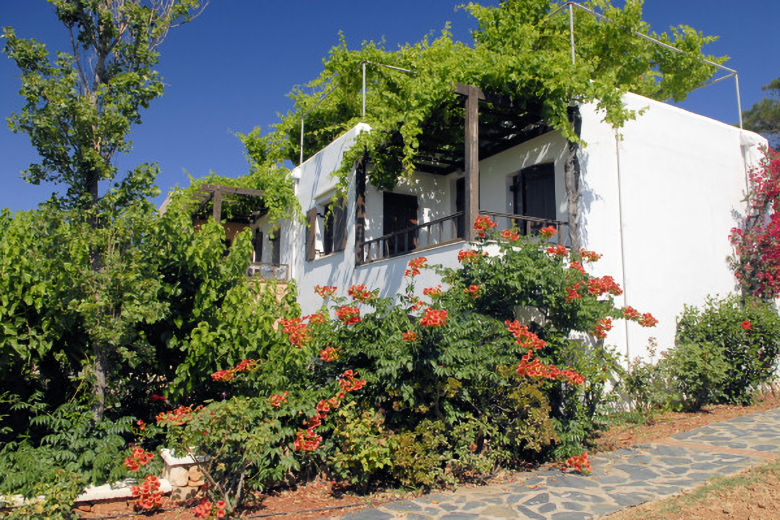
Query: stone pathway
(619, 479)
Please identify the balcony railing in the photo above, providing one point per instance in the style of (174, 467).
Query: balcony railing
(441, 231)
(447, 230)
(528, 225)
(266, 271)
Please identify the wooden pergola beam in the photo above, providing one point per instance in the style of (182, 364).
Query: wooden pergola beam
(471, 167)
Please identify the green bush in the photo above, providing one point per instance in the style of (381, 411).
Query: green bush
(696, 374)
(748, 335)
(361, 449)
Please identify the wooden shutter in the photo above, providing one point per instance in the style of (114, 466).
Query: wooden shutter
(311, 234)
(340, 225)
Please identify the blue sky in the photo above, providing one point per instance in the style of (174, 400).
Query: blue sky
(229, 71)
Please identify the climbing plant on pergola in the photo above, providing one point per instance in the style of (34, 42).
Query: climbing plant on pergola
(521, 57)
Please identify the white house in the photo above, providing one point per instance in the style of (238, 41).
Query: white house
(657, 201)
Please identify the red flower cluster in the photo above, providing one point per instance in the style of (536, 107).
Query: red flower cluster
(532, 367)
(325, 291)
(747, 325)
(329, 354)
(589, 256)
(473, 290)
(467, 255)
(573, 292)
(631, 313)
(178, 416)
(579, 463)
(558, 250)
(409, 336)
(577, 266)
(432, 291)
(548, 232)
(297, 331)
(647, 320)
(604, 325)
(349, 315)
(138, 458)
(605, 284)
(415, 264)
(206, 508)
(524, 337)
(317, 317)
(360, 293)
(510, 234)
(308, 439)
(482, 224)
(417, 304)
(434, 318)
(155, 397)
(229, 374)
(276, 400)
(148, 494)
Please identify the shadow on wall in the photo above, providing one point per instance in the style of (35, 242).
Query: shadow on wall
(587, 197)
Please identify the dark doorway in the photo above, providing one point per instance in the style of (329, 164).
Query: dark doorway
(534, 195)
(400, 219)
(460, 205)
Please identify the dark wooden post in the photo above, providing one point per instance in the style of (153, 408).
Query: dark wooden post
(360, 210)
(217, 211)
(471, 160)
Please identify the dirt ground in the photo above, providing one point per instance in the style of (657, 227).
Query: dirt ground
(753, 495)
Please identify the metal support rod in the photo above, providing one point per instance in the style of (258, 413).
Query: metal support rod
(650, 38)
(739, 101)
(571, 32)
(322, 98)
(363, 65)
(301, 159)
(717, 80)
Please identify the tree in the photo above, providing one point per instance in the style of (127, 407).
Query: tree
(764, 116)
(79, 111)
(81, 106)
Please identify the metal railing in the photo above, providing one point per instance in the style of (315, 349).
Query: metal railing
(438, 232)
(267, 271)
(528, 225)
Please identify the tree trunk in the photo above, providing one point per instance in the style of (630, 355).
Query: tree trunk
(572, 179)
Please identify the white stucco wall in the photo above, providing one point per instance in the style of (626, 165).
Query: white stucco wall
(680, 177)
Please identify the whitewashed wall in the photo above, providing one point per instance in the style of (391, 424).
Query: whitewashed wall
(680, 177)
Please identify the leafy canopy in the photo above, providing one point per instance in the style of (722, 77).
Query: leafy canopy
(80, 106)
(520, 52)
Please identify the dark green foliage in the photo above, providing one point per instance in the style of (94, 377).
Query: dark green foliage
(697, 374)
(748, 335)
(764, 116)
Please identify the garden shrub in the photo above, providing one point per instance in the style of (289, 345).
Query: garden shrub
(696, 374)
(748, 334)
(643, 386)
(361, 450)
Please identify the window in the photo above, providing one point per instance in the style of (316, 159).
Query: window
(257, 246)
(534, 196)
(400, 222)
(276, 247)
(327, 228)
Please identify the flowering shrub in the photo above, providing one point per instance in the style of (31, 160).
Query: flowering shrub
(747, 335)
(348, 314)
(756, 258)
